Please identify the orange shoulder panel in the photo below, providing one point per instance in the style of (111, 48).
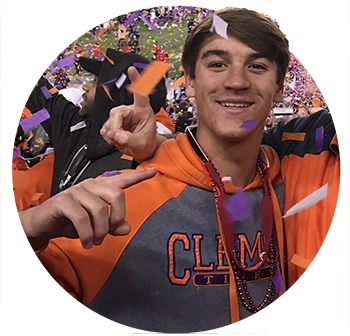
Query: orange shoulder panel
(33, 185)
(83, 272)
(163, 118)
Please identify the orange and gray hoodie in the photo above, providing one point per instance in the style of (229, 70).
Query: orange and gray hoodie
(171, 273)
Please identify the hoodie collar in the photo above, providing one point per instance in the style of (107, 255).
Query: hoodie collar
(182, 159)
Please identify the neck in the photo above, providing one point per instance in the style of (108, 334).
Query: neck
(234, 159)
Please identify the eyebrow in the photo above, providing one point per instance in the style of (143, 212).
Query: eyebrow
(226, 54)
(215, 52)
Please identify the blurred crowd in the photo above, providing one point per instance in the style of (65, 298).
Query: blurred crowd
(301, 94)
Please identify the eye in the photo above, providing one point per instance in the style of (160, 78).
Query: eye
(258, 66)
(216, 64)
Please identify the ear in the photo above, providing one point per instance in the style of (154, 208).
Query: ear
(278, 96)
(189, 83)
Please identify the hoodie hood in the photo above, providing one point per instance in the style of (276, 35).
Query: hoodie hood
(177, 159)
(108, 95)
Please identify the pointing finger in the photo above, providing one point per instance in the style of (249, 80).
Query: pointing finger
(126, 180)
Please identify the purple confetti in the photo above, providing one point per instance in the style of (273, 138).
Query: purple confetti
(238, 206)
(148, 23)
(46, 92)
(108, 82)
(277, 280)
(248, 124)
(129, 21)
(34, 119)
(66, 62)
(141, 65)
(79, 81)
(89, 48)
(8, 156)
(111, 173)
(319, 139)
(52, 68)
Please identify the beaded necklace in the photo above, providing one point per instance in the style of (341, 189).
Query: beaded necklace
(227, 224)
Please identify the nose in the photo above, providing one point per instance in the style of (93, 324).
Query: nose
(237, 78)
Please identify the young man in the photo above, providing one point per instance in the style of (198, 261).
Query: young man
(204, 243)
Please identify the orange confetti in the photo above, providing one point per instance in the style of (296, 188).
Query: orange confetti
(178, 82)
(53, 90)
(26, 113)
(107, 92)
(109, 60)
(315, 102)
(300, 261)
(40, 141)
(149, 78)
(127, 157)
(287, 136)
(36, 197)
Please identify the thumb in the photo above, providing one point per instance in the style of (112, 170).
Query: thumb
(139, 100)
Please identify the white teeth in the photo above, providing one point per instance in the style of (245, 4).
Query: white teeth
(235, 105)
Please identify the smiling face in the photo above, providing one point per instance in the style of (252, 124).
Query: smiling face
(233, 83)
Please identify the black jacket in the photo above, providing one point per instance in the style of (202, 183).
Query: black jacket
(99, 156)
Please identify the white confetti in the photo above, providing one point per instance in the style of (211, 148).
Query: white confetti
(219, 26)
(308, 201)
(78, 126)
(120, 81)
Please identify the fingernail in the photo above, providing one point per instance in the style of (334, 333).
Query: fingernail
(89, 245)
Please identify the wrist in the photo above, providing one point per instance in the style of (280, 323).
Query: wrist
(151, 148)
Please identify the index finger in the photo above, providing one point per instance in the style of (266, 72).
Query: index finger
(126, 180)
(135, 77)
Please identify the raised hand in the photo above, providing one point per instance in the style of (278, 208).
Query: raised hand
(132, 128)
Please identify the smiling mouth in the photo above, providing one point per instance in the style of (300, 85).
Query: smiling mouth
(235, 105)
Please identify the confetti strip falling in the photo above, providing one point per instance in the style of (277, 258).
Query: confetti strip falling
(219, 26)
(238, 206)
(66, 62)
(149, 78)
(111, 173)
(319, 139)
(120, 81)
(141, 65)
(46, 92)
(34, 119)
(308, 201)
(248, 124)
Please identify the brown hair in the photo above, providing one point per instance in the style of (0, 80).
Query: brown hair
(255, 30)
